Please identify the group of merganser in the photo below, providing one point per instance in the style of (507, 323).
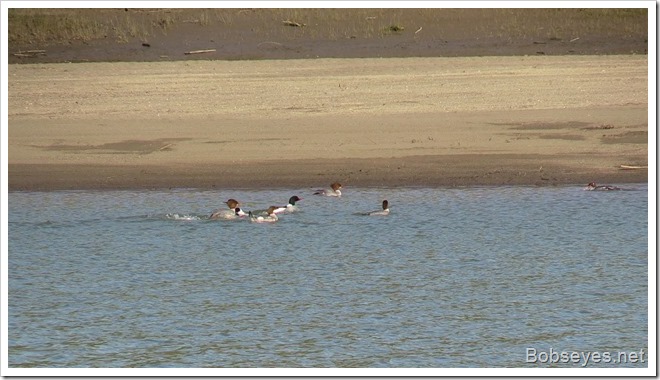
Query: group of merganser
(335, 191)
(270, 215)
(259, 216)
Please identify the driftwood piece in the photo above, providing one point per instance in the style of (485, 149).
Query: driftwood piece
(293, 23)
(633, 167)
(29, 53)
(199, 51)
(166, 147)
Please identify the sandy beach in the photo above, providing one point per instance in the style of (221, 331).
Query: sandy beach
(533, 120)
(110, 99)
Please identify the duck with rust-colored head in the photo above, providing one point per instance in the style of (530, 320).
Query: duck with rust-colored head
(226, 213)
(334, 191)
(269, 218)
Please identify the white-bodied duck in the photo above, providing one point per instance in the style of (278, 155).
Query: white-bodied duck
(384, 212)
(290, 207)
(592, 186)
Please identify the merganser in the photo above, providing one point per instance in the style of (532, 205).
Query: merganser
(228, 213)
(385, 211)
(238, 213)
(333, 192)
(270, 218)
(592, 186)
(291, 207)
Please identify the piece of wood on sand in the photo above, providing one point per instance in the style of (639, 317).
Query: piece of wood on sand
(633, 167)
(199, 51)
(29, 53)
(293, 23)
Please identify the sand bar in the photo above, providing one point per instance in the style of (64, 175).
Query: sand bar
(533, 120)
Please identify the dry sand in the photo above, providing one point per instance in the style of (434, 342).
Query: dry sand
(533, 120)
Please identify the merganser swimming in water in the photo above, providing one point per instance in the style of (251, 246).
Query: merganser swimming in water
(333, 192)
(385, 211)
(291, 207)
(238, 213)
(228, 213)
(592, 186)
(270, 218)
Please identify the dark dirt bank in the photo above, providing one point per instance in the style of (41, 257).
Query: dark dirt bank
(425, 171)
(92, 35)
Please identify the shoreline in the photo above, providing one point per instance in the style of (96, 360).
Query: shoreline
(409, 172)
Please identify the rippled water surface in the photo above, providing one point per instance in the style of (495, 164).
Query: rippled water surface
(467, 277)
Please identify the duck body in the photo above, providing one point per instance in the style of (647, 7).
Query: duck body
(228, 213)
(237, 213)
(270, 216)
(334, 191)
(593, 187)
(290, 207)
(384, 212)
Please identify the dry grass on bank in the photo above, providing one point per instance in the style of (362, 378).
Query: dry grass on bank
(122, 25)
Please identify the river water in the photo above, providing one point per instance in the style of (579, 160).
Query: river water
(453, 277)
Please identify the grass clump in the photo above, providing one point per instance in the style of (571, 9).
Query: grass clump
(395, 28)
(45, 25)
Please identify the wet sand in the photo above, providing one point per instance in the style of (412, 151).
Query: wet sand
(307, 123)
